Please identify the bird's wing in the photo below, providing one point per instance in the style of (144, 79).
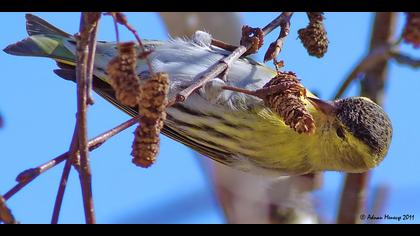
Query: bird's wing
(183, 60)
(105, 90)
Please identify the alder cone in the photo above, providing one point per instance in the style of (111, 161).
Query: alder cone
(411, 32)
(287, 103)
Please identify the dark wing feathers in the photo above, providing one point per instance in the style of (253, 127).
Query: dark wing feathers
(36, 25)
(104, 90)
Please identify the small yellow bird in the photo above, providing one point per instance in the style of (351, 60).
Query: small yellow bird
(236, 129)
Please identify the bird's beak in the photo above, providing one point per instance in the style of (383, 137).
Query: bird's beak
(328, 108)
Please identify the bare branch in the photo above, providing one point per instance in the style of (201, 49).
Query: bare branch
(88, 25)
(275, 47)
(405, 59)
(91, 54)
(6, 215)
(223, 64)
(120, 18)
(282, 19)
(61, 190)
(376, 56)
(353, 195)
(64, 177)
(380, 54)
(380, 198)
(353, 198)
(29, 175)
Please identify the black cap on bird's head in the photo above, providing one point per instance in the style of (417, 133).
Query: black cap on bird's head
(366, 120)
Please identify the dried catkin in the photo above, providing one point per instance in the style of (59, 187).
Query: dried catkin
(287, 102)
(411, 33)
(152, 105)
(123, 76)
(314, 37)
(252, 36)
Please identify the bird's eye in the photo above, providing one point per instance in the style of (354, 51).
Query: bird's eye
(340, 132)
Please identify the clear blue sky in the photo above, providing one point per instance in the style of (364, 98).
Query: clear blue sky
(39, 113)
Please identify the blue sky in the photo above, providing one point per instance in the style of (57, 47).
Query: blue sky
(39, 113)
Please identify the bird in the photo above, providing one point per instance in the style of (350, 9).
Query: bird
(352, 134)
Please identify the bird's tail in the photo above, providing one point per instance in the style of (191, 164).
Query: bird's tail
(45, 40)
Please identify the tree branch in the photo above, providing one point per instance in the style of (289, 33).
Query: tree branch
(88, 25)
(282, 19)
(275, 47)
(29, 175)
(223, 64)
(64, 177)
(380, 198)
(405, 59)
(353, 194)
(376, 56)
(91, 55)
(1, 121)
(6, 215)
(120, 18)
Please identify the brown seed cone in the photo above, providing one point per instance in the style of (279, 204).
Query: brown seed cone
(411, 33)
(314, 37)
(152, 107)
(316, 16)
(252, 36)
(123, 75)
(145, 145)
(288, 104)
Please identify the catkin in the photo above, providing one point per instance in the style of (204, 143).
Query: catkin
(123, 75)
(314, 37)
(252, 36)
(287, 102)
(152, 105)
(411, 33)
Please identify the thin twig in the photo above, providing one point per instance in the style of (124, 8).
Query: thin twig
(260, 93)
(372, 59)
(378, 55)
(29, 175)
(353, 198)
(280, 20)
(26, 176)
(354, 191)
(221, 44)
(223, 64)
(61, 190)
(380, 198)
(117, 32)
(91, 54)
(275, 47)
(6, 215)
(120, 18)
(64, 177)
(405, 59)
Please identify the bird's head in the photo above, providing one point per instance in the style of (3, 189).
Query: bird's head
(362, 125)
